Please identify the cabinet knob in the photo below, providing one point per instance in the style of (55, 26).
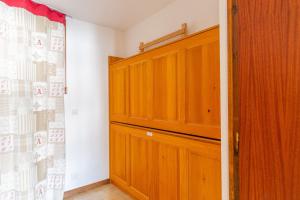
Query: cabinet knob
(150, 134)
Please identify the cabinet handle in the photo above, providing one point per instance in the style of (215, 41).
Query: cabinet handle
(150, 134)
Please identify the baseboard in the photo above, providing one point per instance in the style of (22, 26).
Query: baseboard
(86, 188)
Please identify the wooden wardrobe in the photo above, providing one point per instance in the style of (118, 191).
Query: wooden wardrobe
(165, 120)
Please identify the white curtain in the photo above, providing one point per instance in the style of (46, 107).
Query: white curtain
(32, 81)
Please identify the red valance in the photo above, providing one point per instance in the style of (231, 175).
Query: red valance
(38, 9)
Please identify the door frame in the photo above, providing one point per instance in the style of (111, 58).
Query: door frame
(233, 117)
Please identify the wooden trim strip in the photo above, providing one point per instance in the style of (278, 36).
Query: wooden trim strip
(172, 133)
(182, 31)
(230, 101)
(86, 188)
(169, 43)
(233, 118)
(113, 59)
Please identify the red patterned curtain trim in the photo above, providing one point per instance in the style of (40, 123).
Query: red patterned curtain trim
(38, 9)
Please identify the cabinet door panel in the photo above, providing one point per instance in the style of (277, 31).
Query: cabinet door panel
(119, 153)
(140, 155)
(175, 87)
(165, 88)
(185, 169)
(165, 171)
(140, 92)
(202, 84)
(118, 93)
(164, 167)
(204, 176)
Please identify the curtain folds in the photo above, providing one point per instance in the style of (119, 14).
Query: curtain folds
(37, 9)
(32, 82)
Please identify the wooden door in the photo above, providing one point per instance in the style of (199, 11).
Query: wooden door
(268, 49)
(118, 92)
(140, 163)
(119, 155)
(140, 84)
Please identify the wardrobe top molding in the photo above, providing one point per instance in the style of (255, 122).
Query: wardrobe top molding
(117, 60)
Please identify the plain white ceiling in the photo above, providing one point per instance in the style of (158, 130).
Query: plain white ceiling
(118, 14)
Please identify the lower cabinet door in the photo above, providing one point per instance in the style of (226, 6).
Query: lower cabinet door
(119, 156)
(185, 169)
(158, 166)
(140, 163)
(166, 171)
(202, 179)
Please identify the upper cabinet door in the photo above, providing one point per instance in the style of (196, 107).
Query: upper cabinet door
(202, 87)
(175, 87)
(118, 92)
(165, 87)
(139, 89)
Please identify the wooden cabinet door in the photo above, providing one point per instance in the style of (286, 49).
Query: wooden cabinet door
(140, 163)
(166, 171)
(202, 174)
(119, 154)
(156, 166)
(140, 85)
(175, 87)
(202, 86)
(185, 169)
(118, 92)
(166, 71)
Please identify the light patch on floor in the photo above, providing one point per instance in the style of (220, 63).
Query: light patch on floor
(106, 192)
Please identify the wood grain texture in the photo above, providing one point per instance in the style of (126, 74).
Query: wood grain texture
(166, 167)
(165, 171)
(182, 31)
(165, 87)
(140, 160)
(175, 87)
(230, 101)
(203, 84)
(113, 59)
(119, 155)
(269, 97)
(139, 89)
(119, 91)
(233, 114)
(203, 176)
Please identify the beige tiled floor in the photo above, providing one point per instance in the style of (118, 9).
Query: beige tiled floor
(106, 192)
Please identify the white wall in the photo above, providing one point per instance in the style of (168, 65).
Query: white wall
(199, 14)
(86, 104)
(224, 98)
